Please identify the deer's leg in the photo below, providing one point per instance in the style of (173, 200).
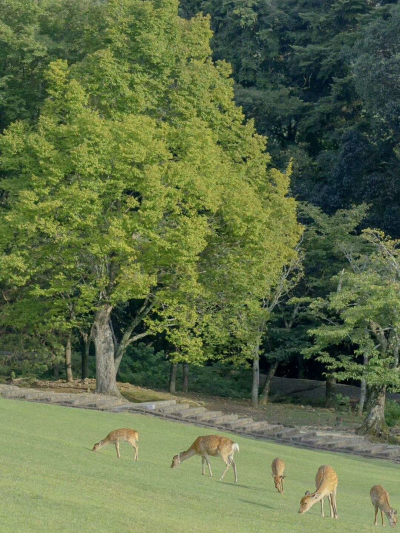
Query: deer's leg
(330, 505)
(335, 513)
(234, 469)
(117, 448)
(376, 516)
(203, 466)
(282, 484)
(205, 456)
(383, 524)
(322, 508)
(229, 461)
(136, 446)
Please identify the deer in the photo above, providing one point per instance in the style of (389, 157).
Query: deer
(380, 500)
(278, 468)
(117, 436)
(326, 482)
(210, 445)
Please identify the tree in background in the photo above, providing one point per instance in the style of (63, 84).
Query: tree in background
(296, 65)
(365, 312)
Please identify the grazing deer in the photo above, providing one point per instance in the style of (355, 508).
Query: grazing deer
(117, 436)
(211, 445)
(278, 468)
(380, 500)
(326, 482)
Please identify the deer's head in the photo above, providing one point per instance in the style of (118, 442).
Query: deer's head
(176, 461)
(278, 482)
(308, 501)
(392, 517)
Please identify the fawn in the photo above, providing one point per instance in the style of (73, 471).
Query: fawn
(326, 482)
(213, 445)
(117, 436)
(380, 500)
(278, 468)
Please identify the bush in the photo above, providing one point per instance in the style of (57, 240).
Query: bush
(343, 402)
(392, 413)
(143, 367)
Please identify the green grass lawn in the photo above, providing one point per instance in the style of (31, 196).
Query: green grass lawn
(51, 482)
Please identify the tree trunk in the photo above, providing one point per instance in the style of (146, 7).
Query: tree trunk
(85, 355)
(56, 371)
(104, 344)
(185, 377)
(256, 376)
(172, 378)
(374, 424)
(330, 391)
(271, 373)
(363, 396)
(363, 390)
(68, 359)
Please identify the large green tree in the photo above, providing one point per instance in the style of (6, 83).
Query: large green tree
(141, 181)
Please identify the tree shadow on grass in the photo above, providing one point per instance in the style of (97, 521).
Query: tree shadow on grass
(258, 504)
(230, 483)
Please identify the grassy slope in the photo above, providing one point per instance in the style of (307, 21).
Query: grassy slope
(50, 481)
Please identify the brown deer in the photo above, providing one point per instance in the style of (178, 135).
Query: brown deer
(326, 482)
(117, 436)
(380, 500)
(278, 468)
(211, 445)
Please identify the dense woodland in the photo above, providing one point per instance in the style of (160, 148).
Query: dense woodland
(212, 184)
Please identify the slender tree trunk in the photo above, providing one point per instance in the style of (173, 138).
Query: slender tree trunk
(363, 390)
(56, 371)
(271, 373)
(256, 376)
(172, 378)
(363, 396)
(330, 391)
(85, 355)
(374, 423)
(185, 377)
(68, 359)
(104, 344)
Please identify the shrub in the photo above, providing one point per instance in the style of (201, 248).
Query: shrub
(392, 413)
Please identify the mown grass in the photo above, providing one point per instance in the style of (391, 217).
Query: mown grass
(50, 481)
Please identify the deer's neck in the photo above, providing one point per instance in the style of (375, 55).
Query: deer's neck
(385, 506)
(186, 455)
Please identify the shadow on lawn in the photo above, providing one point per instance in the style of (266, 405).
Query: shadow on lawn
(259, 504)
(235, 484)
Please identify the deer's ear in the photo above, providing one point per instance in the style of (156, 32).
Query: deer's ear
(283, 477)
(307, 493)
(395, 512)
(316, 496)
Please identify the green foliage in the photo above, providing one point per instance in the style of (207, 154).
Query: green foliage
(308, 73)
(144, 367)
(342, 401)
(139, 180)
(392, 413)
(363, 312)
